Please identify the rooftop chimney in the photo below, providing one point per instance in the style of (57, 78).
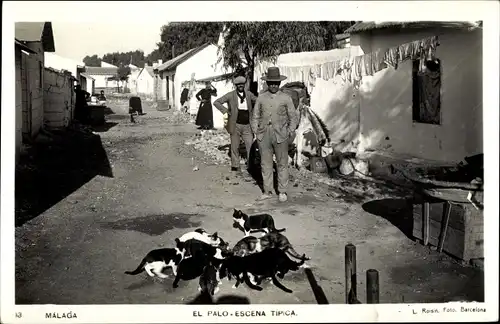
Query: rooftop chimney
(160, 62)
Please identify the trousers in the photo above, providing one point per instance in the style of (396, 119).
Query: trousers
(240, 132)
(269, 146)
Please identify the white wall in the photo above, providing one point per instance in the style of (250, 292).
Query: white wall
(145, 84)
(331, 99)
(33, 107)
(386, 99)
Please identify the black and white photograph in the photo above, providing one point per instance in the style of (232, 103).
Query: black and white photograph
(268, 162)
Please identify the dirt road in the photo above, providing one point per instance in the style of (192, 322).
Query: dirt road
(76, 251)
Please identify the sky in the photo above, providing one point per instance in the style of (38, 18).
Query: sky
(76, 40)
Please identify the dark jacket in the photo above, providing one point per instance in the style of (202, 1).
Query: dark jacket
(231, 99)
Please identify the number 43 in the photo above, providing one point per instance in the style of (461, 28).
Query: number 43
(19, 315)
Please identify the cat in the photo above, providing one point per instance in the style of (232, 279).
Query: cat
(157, 260)
(254, 223)
(265, 264)
(201, 235)
(278, 240)
(247, 245)
(252, 244)
(201, 254)
(208, 283)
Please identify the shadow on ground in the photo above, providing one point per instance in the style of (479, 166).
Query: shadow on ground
(155, 224)
(106, 126)
(205, 299)
(53, 168)
(397, 211)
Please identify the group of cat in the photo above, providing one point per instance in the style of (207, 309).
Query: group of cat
(208, 256)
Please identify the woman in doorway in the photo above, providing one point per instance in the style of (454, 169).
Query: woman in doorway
(205, 117)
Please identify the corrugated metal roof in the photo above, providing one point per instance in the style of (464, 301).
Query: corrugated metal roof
(36, 32)
(217, 78)
(173, 63)
(95, 70)
(365, 26)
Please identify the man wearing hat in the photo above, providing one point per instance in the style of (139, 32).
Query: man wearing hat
(274, 122)
(240, 104)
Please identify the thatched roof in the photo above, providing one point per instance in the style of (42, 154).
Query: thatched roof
(365, 26)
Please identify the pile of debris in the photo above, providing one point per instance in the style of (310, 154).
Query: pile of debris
(178, 118)
(209, 143)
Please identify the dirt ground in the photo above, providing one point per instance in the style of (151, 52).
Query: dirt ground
(134, 189)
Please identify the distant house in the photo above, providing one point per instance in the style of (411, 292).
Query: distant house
(131, 83)
(202, 61)
(101, 76)
(107, 65)
(431, 111)
(87, 82)
(32, 40)
(145, 81)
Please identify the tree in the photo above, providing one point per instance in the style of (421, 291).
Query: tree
(179, 37)
(123, 72)
(93, 60)
(247, 42)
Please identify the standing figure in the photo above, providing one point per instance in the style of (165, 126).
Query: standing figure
(82, 111)
(185, 98)
(240, 104)
(205, 118)
(274, 122)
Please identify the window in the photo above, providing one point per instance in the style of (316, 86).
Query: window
(40, 65)
(427, 92)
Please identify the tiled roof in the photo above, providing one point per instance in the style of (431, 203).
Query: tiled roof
(342, 36)
(372, 25)
(173, 63)
(94, 70)
(36, 32)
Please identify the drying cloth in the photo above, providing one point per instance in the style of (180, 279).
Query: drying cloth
(357, 67)
(317, 70)
(405, 52)
(378, 61)
(367, 67)
(391, 57)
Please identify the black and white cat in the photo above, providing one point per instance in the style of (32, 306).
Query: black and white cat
(157, 260)
(254, 223)
(201, 235)
(265, 264)
(202, 254)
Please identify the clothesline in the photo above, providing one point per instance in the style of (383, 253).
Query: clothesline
(352, 69)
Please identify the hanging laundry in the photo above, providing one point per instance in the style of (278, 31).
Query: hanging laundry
(317, 70)
(391, 57)
(357, 67)
(335, 70)
(367, 68)
(378, 61)
(405, 52)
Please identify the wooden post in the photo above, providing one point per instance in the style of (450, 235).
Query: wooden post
(444, 222)
(426, 223)
(350, 274)
(372, 287)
